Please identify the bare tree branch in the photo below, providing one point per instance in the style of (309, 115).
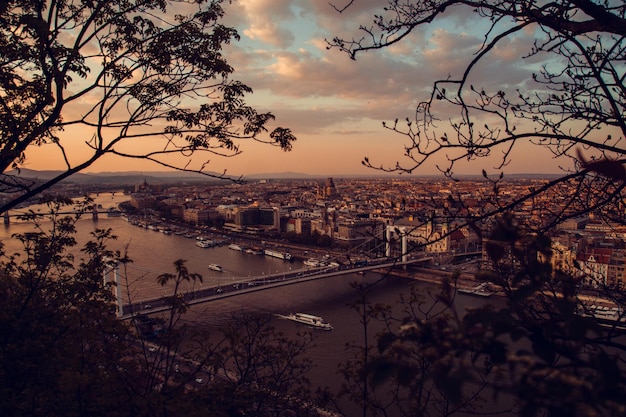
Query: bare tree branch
(121, 71)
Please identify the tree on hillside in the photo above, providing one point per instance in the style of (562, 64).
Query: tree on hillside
(543, 346)
(62, 346)
(393, 374)
(261, 371)
(540, 349)
(572, 101)
(142, 79)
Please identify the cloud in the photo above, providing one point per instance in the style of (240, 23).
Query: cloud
(322, 91)
(269, 33)
(329, 100)
(264, 21)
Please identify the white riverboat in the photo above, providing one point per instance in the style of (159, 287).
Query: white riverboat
(309, 319)
(314, 262)
(205, 243)
(276, 254)
(235, 246)
(216, 267)
(605, 316)
(481, 290)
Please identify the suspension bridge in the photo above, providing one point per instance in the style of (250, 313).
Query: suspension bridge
(128, 308)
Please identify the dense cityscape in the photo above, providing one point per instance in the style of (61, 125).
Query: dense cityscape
(377, 216)
(354, 212)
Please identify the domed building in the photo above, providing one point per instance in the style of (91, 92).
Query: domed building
(327, 189)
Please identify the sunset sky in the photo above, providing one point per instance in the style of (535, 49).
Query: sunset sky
(335, 106)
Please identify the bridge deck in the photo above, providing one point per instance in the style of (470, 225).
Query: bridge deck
(261, 283)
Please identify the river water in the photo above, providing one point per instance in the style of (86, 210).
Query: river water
(153, 253)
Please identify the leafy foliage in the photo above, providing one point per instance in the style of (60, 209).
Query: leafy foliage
(534, 349)
(262, 371)
(121, 72)
(61, 343)
(411, 361)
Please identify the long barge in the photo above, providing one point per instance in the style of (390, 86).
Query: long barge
(276, 254)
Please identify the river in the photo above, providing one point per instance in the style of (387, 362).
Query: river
(153, 253)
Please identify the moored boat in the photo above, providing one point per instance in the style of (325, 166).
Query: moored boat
(234, 246)
(605, 316)
(313, 262)
(253, 251)
(205, 243)
(309, 319)
(276, 254)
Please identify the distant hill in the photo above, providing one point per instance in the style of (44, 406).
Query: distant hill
(127, 177)
(160, 177)
(282, 175)
(41, 175)
(153, 177)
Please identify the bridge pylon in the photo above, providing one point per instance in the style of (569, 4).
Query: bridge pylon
(7, 219)
(94, 214)
(116, 285)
